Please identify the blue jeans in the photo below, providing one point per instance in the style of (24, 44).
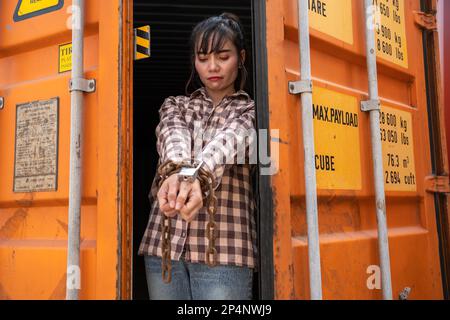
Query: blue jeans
(196, 281)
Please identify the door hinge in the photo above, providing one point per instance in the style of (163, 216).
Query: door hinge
(426, 21)
(437, 184)
(142, 43)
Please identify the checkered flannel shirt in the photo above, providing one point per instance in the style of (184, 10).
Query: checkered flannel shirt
(181, 119)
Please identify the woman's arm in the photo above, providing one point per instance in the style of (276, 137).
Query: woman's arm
(173, 143)
(232, 144)
(172, 132)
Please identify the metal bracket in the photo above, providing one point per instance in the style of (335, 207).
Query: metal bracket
(84, 85)
(437, 184)
(2, 103)
(426, 21)
(370, 105)
(299, 87)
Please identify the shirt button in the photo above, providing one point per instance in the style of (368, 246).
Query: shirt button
(183, 234)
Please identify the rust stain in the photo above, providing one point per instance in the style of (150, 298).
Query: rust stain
(11, 226)
(3, 294)
(63, 225)
(66, 228)
(59, 293)
(27, 200)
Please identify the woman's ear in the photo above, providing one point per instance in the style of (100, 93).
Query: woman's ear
(242, 56)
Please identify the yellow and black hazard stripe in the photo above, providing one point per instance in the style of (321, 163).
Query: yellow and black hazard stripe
(142, 43)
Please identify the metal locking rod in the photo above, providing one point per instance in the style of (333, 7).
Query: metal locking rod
(373, 107)
(304, 88)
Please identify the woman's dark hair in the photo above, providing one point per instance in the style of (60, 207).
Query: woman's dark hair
(218, 29)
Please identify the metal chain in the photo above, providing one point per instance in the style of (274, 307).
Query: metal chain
(206, 180)
(211, 232)
(166, 261)
(164, 171)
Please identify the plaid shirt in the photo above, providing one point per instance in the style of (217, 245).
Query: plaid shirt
(182, 118)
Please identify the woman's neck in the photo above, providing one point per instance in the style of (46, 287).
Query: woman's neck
(217, 96)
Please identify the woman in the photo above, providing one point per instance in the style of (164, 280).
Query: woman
(220, 107)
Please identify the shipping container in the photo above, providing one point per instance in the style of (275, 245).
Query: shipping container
(118, 152)
(443, 12)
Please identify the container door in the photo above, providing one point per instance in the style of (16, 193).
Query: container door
(35, 64)
(347, 218)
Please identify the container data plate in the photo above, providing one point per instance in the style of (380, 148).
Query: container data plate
(333, 18)
(337, 145)
(390, 32)
(398, 150)
(36, 146)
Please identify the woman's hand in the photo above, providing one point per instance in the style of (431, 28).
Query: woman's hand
(180, 197)
(167, 195)
(189, 200)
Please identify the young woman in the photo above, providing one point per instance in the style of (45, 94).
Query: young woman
(207, 125)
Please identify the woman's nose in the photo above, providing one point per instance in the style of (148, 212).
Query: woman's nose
(213, 65)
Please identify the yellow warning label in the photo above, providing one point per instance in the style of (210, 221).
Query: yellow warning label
(398, 150)
(336, 134)
(65, 57)
(333, 17)
(30, 8)
(390, 31)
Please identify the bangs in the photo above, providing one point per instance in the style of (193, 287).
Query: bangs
(212, 39)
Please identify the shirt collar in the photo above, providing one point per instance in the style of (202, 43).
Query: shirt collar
(202, 91)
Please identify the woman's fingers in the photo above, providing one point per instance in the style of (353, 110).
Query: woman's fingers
(171, 213)
(162, 195)
(173, 190)
(185, 188)
(184, 198)
(190, 213)
(194, 203)
(169, 186)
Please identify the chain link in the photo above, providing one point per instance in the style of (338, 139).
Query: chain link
(166, 261)
(211, 231)
(206, 180)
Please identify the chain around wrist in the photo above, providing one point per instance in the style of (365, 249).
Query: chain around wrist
(189, 173)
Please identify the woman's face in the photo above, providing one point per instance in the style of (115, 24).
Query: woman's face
(218, 70)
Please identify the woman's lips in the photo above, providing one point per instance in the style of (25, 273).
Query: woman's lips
(215, 78)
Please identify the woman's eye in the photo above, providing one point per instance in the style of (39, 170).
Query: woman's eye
(224, 58)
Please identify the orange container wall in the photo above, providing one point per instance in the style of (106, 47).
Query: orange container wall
(347, 218)
(33, 226)
(444, 37)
